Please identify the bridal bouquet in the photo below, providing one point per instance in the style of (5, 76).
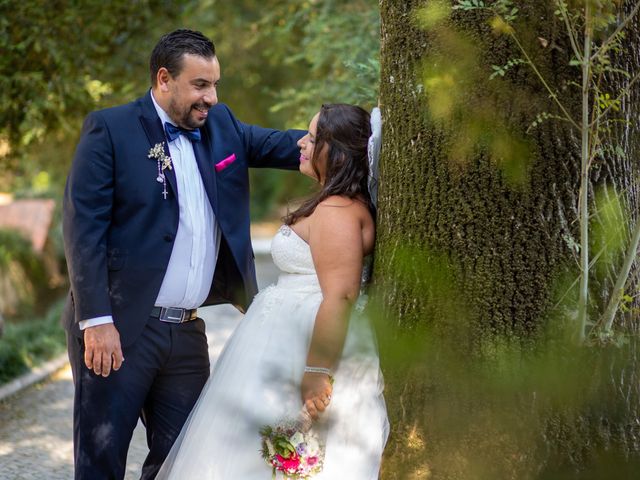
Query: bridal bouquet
(291, 449)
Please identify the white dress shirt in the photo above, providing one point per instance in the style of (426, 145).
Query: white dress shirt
(193, 259)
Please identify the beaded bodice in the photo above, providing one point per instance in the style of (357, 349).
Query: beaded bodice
(290, 253)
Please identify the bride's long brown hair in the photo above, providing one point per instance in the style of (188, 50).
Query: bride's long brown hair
(345, 130)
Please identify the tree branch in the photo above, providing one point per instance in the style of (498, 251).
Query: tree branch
(583, 313)
(624, 92)
(621, 27)
(616, 294)
(553, 95)
(570, 30)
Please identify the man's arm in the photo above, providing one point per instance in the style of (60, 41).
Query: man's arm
(94, 322)
(267, 147)
(87, 207)
(272, 148)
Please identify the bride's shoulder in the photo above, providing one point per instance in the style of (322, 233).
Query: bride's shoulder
(342, 222)
(341, 210)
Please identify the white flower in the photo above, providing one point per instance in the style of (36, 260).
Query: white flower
(296, 439)
(313, 447)
(157, 152)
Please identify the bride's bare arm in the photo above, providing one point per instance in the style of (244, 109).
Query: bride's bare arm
(336, 241)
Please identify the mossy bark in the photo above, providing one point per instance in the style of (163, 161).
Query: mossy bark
(472, 260)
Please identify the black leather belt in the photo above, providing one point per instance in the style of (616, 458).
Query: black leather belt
(174, 314)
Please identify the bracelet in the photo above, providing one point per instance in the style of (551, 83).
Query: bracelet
(326, 371)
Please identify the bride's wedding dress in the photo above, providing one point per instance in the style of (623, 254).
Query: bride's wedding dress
(256, 382)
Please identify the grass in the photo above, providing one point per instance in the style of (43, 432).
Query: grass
(29, 343)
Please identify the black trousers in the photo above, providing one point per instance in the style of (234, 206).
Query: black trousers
(160, 380)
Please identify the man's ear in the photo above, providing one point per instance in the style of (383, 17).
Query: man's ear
(162, 79)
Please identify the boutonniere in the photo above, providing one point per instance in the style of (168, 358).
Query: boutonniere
(164, 161)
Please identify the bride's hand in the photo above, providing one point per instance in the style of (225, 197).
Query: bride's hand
(316, 393)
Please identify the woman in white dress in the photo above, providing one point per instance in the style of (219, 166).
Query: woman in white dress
(302, 332)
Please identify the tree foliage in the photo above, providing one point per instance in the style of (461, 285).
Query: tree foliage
(335, 56)
(61, 60)
(282, 59)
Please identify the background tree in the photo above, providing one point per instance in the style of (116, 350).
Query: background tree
(477, 244)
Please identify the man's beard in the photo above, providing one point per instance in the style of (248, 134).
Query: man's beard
(184, 118)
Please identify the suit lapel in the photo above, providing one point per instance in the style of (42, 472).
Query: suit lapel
(203, 151)
(152, 126)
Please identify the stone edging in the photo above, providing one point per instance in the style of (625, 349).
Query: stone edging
(36, 375)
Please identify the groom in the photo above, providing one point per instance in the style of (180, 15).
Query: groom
(156, 224)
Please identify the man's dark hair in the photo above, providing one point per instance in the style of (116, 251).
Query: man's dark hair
(171, 48)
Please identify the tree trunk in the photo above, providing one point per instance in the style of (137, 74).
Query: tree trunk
(477, 227)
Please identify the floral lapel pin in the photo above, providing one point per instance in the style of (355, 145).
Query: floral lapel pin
(164, 161)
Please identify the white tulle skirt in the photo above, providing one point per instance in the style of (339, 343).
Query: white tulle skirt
(256, 382)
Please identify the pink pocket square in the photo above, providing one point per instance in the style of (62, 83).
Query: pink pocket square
(222, 164)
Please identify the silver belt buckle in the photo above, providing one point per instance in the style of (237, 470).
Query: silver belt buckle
(172, 314)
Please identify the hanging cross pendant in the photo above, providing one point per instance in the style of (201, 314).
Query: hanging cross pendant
(164, 161)
(161, 178)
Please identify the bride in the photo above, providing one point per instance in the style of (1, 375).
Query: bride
(301, 343)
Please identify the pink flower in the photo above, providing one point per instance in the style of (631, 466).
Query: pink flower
(292, 463)
(311, 461)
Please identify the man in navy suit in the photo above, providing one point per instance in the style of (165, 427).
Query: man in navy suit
(156, 224)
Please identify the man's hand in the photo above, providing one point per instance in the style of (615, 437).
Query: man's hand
(316, 393)
(102, 349)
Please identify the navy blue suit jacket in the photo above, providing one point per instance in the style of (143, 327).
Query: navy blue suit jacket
(119, 230)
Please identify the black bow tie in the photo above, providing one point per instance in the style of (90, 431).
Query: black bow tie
(174, 132)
